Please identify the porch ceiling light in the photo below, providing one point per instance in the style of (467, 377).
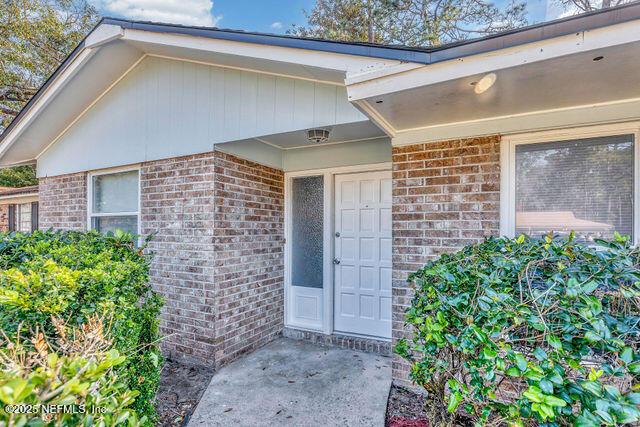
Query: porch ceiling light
(485, 83)
(317, 136)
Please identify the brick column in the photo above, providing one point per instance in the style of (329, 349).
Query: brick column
(445, 196)
(177, 206)
(249, 255)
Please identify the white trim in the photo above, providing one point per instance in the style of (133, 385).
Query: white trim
(312, 145)
(18, 198)
(94, 102)
(45, 98)
(507, 165)
(104, 34)
(327, 241)
(109, 171)
(343, 63)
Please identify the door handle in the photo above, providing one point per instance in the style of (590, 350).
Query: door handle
(336, 261)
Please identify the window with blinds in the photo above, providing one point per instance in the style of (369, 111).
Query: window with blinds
(584, 185)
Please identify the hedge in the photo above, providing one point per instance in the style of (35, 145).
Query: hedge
(78, 276)
(529, 332)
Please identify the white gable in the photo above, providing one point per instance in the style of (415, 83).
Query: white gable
(165, 108)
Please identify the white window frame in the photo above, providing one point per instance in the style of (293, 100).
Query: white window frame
(110, 171)
(508, 161)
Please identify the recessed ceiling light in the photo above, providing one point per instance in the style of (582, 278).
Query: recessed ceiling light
(485, 83)
(598, 58)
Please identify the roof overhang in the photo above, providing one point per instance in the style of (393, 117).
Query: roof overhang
(586, 76)
(545, 74)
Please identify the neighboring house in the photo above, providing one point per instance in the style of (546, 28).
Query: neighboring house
(19, 208)
(293, 184)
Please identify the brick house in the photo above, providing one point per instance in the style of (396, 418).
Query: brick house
(292, 184)
(19, 208)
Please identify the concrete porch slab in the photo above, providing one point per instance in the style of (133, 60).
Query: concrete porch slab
(290, 382)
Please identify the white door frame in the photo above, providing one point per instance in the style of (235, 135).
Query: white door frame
(327, 241)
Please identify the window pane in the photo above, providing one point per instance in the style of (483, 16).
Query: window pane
(23, 220)
(117, 192)
(104, 224)
(307, 226)
(583, 185)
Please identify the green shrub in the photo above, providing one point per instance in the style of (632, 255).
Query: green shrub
(74, 276)
(68, 381)
(529, 331)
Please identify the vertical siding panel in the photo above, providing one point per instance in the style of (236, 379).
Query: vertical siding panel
(248, 103)
(153, 105)
(202, 106)
(266, 104)
(176, 88)
(231, 104)
(284, 104)
(304, 94)
(187, 113)
(218, 102)
(165, 107)
(324, 104)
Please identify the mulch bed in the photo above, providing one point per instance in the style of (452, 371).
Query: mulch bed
(405, 409)
(181, 387)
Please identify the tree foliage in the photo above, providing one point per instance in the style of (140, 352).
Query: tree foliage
(529, 332)
(35, 37)
(581, 6)
(409, 22)
(18, 176)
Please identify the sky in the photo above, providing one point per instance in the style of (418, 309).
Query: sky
(271, 16)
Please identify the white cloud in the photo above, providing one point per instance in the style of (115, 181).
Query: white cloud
(276, 25)
(186, 12)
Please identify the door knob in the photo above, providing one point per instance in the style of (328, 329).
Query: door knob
(336, 261)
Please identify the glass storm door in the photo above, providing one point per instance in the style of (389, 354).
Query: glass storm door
(307, 229)
(362, 284)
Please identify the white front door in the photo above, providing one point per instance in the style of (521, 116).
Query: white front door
(362, 282)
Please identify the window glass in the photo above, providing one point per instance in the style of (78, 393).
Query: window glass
(23, 219)
(585, 186)
(104, 224)
(307, 231)
(117, 192)
(114, 204)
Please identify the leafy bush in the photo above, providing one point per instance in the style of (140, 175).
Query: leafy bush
(70, 381)
(74, 276)
(529, 331)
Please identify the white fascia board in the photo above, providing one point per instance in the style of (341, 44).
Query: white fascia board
(397, 79)
(19, 198)
(44, 99)
(584, 115)
(348, 64)
(105, 33)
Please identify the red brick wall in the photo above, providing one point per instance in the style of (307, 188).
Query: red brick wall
(63, 202)
(249, 255)
(218, 245)
(445, 196)
(177, 205)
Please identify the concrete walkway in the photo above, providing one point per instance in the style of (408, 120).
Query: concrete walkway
(296, 383)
